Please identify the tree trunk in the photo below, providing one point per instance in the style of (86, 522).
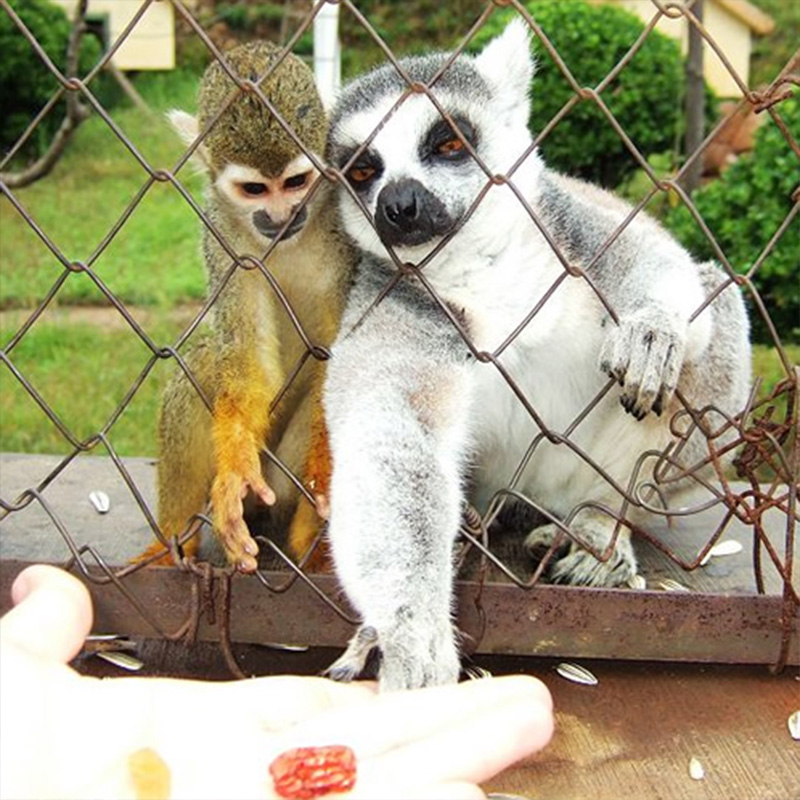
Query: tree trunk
(695, 103)
(76, 113)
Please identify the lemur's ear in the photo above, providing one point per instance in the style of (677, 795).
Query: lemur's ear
(508, 65)
(186, 127)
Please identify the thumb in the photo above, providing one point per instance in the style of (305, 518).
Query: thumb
(52, 613)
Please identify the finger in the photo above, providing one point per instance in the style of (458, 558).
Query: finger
(474, 750)
(283, 701)
(323, 506)
(240, 548)
(392, 720)
(263, 490)
(52, 613)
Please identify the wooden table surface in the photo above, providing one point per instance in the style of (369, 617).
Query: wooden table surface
(632, 736)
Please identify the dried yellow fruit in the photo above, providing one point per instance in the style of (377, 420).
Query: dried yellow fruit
(150, 775)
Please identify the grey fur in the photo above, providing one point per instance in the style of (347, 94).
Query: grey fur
(413, 419)
(362, 94)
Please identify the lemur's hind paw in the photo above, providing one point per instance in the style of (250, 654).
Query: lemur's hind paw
(575, 565)
(644, 353)
(353, 661)
(581, 568)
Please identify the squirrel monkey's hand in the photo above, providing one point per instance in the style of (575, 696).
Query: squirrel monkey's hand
(229, 489)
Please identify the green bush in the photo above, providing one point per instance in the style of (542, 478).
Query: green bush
(743, 209)
(646, 98)
(26, 84)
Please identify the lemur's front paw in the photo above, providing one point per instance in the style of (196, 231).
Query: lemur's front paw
(416, 654)
(573, 564)
(227, 493)
(644, 353)
(411, 656)
(350, 665)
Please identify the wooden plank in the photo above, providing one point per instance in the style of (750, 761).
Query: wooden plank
(721, 622)
(633, 734)
(548, 620)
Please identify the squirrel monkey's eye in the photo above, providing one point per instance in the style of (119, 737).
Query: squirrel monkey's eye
(450, 147)
(360, 174)
(296, 181)
(254, 189)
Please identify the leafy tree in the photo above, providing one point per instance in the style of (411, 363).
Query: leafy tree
(744, 208)
(26, 84)
(646, 98)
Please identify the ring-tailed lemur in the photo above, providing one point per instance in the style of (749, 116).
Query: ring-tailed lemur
(414, 416)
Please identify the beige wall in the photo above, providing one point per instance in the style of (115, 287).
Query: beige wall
(735, 41)
(731, 35)
(151, 44)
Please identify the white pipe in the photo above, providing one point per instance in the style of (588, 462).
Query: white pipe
(327, 53)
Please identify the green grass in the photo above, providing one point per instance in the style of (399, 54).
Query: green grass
(768, 365)
(155, 257)
(82, 372)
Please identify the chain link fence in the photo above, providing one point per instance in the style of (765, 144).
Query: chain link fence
(695, 611)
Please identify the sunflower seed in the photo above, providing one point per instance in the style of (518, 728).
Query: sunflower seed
(504, 796)
(576, 673)
(100, 501)
(727, 547)
(637, 582)
(475, 673)
(289, 648)
(696, 771)
(669, 585)
(794, 725)
(108, 645)
(104, 637)
(122, 660)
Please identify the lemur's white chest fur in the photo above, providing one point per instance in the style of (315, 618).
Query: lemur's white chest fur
(553, 360)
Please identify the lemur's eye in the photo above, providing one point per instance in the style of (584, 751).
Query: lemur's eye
(443, 144)
(296, 181)
(450, 147)
(254, 189)
(360, 174)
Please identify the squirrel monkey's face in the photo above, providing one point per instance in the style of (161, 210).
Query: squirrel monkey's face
(259, 171)
(272, 205)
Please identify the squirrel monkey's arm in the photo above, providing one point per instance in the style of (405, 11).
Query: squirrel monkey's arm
(250, 376)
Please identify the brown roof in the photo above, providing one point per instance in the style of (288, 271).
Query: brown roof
(757, 20)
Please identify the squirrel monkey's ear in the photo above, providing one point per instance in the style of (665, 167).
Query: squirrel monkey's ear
(187, 128)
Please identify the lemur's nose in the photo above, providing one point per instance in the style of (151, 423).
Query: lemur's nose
(400, 203)
(409, 214)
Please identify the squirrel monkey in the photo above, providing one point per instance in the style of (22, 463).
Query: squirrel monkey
(258, 180)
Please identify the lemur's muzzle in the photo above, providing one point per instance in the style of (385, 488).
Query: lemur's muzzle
(408, 214)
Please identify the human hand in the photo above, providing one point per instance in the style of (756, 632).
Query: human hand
(65, 735)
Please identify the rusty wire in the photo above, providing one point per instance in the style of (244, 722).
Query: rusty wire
(764, 433)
